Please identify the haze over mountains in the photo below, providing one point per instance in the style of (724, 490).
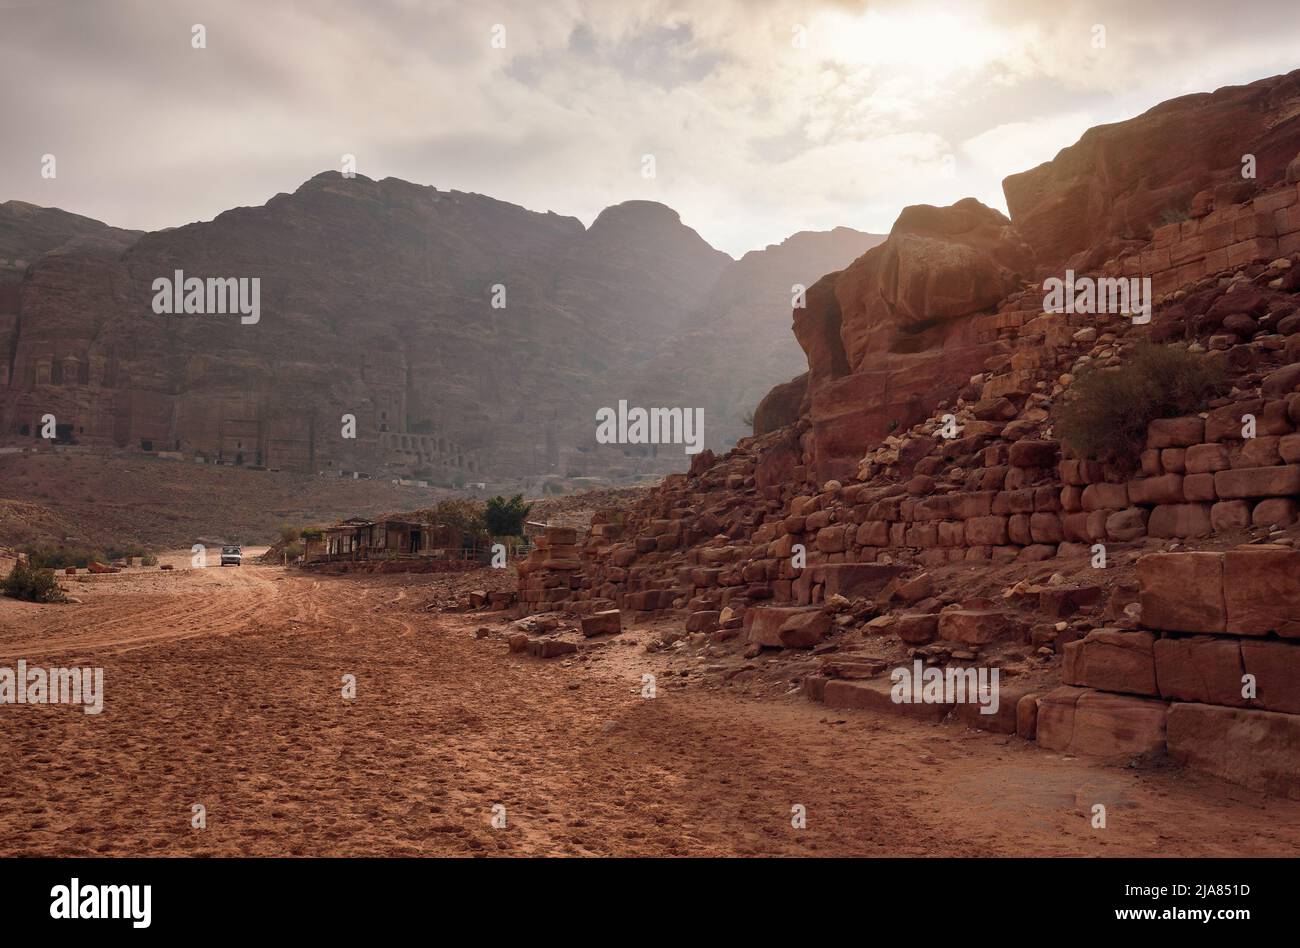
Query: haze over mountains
(376, 301)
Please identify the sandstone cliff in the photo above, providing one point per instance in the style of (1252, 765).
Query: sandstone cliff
(1111, 189)
(892, 335)
(910, 499)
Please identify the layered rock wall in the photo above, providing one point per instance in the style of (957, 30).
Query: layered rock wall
(1213, 676)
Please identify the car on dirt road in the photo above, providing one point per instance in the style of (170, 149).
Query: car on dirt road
(232, 556)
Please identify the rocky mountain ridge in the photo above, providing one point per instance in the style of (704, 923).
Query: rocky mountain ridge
(377, 302)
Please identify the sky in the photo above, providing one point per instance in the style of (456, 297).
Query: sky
(763, 117)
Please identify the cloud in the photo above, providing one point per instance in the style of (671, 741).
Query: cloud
(764, 116)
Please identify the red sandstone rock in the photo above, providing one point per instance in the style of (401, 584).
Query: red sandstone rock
(607, 622)
(1274, 512)
(853, 580)
(986, 531)
(977, 626)
(1180, 520)
(1230, 515)
(1282, 381)
(1127, 524)
(817, 327)
(1276, 667)
(1112, 660)
(1199, 488)
(1225, 424)
(1261, 588)
(1116, 182)
(1182, 592)
(1258, 482)
(1027, 716)
(781, 406)
(804, 629)
(782, 627)
(938, 265)
(550, 648)
(1033, 453)
(1206, 458)
(1004, 720)
(1200, 668)
(875, 695)
(1166, 489)
(917, 629)
(1105, 497)
(1258, 749)
(1098, 724)
(1175, 432)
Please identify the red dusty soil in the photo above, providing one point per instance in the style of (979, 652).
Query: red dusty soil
(223, 688)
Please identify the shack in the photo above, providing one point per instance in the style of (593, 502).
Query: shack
(360, 539)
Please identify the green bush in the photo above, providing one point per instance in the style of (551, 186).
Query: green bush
(505, 518)
(32, 584)
(289, 533)
(1105, 413)
(61, 557)
(461, 515)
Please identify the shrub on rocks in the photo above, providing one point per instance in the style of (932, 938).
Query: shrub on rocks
(1105, 414)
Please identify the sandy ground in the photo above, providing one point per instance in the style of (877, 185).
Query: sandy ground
(223, 688)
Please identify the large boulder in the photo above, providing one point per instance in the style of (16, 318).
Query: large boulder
(938, 265)
(781, 406)
(893, 339)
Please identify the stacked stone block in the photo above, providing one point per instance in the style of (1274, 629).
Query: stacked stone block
(1230, 236)
(1213, 677)
(552, 572)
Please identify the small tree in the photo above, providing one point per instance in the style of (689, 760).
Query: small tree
(505, 518)
(34, 585)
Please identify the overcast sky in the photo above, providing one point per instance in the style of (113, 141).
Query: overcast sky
(764, 117)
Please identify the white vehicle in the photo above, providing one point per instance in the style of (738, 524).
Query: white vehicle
(232, 556)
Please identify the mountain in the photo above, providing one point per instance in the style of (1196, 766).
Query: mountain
(377, 302)
(735, 344)
(28, 231)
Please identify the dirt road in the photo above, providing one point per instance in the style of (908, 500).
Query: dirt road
(224, 688)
